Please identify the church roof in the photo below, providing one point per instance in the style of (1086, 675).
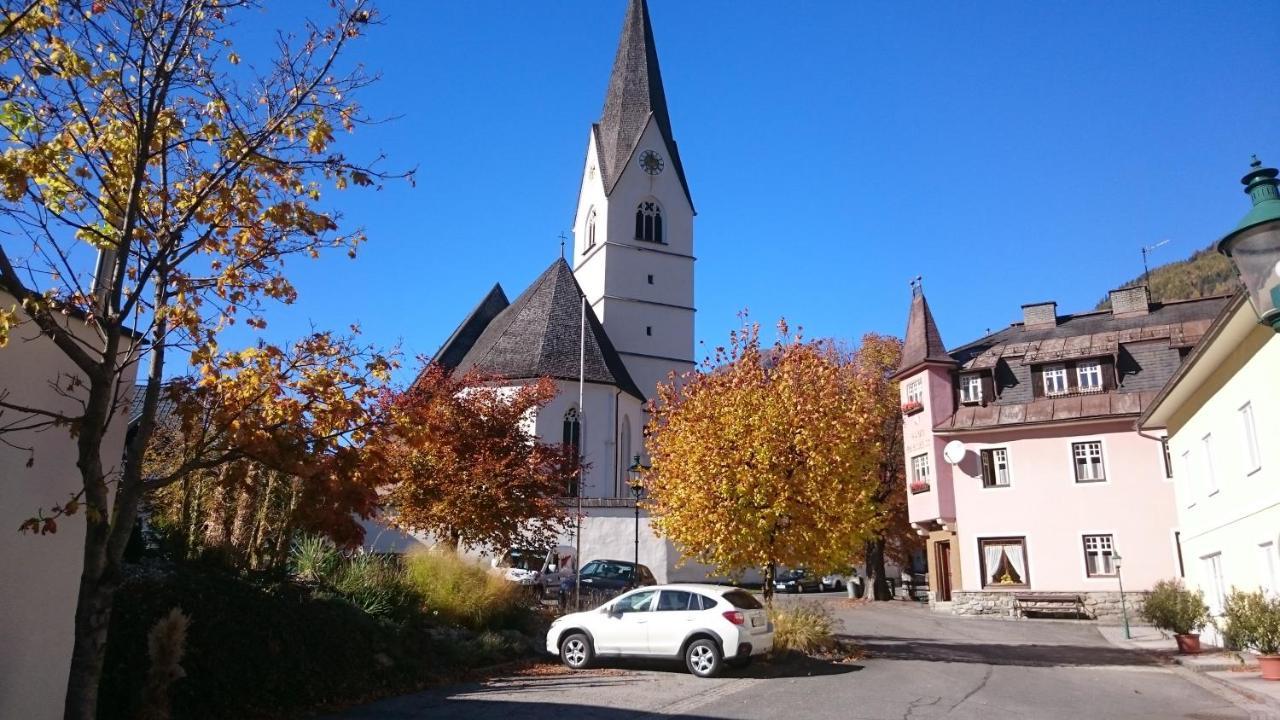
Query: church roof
(635, 94)
(539, 335)
(924, 342)
(462, 339)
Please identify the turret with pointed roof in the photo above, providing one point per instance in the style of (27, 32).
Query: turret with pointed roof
(635, 94)
(924, 343)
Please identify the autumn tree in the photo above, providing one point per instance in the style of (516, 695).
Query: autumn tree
(760, 459)
(130, 134)
(464, 465)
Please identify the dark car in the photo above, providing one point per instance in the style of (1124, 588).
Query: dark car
(605, 578)
(797, 581)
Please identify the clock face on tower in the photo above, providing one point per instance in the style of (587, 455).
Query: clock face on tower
(651, 162)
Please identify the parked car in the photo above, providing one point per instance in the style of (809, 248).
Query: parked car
(707, 626)
(797, 581)
(608, 577)
(541, 570)
(836, 581)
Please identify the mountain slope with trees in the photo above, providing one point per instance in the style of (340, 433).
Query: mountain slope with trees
(1206, 273)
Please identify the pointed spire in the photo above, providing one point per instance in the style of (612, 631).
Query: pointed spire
(924, 342)
(635, 93)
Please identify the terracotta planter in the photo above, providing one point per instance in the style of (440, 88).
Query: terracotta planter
(1188, 644)
(1270, 665)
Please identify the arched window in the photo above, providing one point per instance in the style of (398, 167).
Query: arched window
(649, 221)
(591, 228)
(624, 442)
(572, 439)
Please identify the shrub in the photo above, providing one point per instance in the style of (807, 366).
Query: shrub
(313, 558)
(374, 584)
(1253, 621)
(1172, 607)
(805, 628)
(462, 592)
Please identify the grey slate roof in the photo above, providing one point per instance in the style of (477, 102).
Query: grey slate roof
(924, 342)
(539, 335)
(635, 93)
(465, 336)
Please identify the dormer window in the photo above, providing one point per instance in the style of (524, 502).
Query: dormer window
(1089, 375)
(1055, 379)
(649, 222)
(971, 388)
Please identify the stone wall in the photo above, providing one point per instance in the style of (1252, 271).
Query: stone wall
(1104, 607)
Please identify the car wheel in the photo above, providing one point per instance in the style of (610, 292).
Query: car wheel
(702, 657)
(575, 651)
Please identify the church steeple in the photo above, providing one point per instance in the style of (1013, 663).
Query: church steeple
(923, 343)
(635, 94)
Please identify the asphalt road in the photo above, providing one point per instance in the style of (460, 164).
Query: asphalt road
(919, 665)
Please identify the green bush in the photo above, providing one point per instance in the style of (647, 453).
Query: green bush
(804, 628)
(314, 558)
(1253, 622)
(1172, 607)
(374, 584)
(459, 591)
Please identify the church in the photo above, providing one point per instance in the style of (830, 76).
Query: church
(619, 312)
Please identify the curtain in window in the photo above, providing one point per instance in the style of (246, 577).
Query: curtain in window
(991, 556)
(1017, 560)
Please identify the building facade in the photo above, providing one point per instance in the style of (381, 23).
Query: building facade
(1024, 469)
(1220, 411)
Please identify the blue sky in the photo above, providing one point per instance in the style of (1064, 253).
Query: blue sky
(1008, 152)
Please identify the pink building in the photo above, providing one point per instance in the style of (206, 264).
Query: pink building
(1024, 468)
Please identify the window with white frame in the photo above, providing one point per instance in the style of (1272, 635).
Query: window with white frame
(1210, 480)
(915, 391)
(920, 472)
(1089, 375)
(995, 467)
(1267, 558)
(1188, 482)
(1003, 562)
(1055, 379)
(1099, 552)
(1088, 461)
(1216, 595)
(1253, 458)
(970, 388)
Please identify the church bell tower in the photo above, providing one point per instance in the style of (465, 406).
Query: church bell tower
(633, 230)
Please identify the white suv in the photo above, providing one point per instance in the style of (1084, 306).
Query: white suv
(709, 626)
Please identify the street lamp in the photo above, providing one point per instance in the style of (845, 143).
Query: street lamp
(635, 481)
(1254, 246)
(1124, 611)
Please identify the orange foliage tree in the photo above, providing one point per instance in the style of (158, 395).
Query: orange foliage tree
(129, 134)
(761, 459)
(463, 463)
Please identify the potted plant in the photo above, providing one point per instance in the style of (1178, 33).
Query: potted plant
(1173, 608)
(912, 407)
(1253, 621)
(919, 486)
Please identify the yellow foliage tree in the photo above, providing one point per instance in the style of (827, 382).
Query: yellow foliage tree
(761, 459)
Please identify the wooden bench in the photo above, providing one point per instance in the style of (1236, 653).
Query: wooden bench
(1050, 603)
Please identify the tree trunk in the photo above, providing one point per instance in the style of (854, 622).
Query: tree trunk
(875, 570)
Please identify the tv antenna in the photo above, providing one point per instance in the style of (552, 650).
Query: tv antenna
(1147, 250)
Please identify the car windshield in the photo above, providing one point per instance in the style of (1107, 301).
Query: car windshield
(791, 575)
(607, 570)
(742, 600)
(523, 559)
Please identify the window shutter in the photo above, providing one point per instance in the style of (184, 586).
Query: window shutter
(988, 389)
(1037, 382)
(988, 472)
(1108, 373)
(1073, 380)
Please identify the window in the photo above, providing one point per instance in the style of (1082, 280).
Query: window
(648, 330)
(624, 441)
(1267, 557)
(1089, 376)
(1004, 562)
(1088, 457)
(915, 391)
(1168, 459)
(970, 388)
(1098, 553)
(1253, 459)
(678, 601)
(649, 222)
(1215, 595)
(571, 436)
(591, 228)
(1210, 480)
(650, 279)
(919, 473)
(1055, 379)
(742, 600)
(995, 468)
(636, 602)
(1188, 487)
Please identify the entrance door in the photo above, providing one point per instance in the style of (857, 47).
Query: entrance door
(942, 551)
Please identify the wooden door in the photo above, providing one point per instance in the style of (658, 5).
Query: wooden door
(942, 552)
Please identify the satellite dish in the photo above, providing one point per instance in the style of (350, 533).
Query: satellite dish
(953, 453)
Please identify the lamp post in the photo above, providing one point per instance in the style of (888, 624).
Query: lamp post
(635, 480)
(1124, 610)
(1254, 245)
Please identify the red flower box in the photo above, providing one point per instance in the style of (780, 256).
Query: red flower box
(913, 407)
(919, 487)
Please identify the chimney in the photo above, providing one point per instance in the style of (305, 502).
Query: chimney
(1038, 316)
(1131, 301)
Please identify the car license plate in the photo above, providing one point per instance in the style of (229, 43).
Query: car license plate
(755, 622)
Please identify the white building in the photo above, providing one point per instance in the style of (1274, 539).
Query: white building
(633, 264)
(1221, 411)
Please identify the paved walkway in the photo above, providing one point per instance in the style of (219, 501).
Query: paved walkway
(920, 665)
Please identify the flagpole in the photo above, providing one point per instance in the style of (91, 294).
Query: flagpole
(582, 371)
